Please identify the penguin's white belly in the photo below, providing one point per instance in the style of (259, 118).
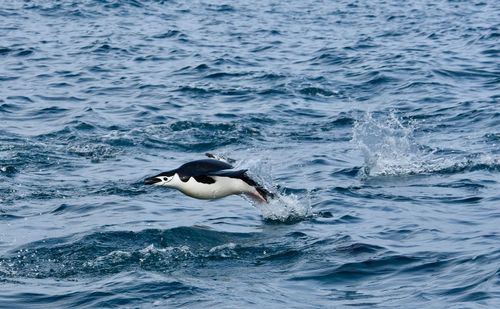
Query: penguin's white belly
(222, 187)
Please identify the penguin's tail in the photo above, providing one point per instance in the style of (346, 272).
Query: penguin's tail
(264, 194)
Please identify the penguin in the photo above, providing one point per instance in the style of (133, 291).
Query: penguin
(211, 179)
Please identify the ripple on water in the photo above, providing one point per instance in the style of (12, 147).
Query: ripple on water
(395, 207)
(197, 136)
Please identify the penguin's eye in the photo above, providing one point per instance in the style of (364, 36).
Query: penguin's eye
(165, 178)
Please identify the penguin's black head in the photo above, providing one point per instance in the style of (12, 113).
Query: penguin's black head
(160, 179)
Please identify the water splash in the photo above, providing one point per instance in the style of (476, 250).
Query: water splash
(390, 148)
(282, 207)
(387, 145)
(285, 208)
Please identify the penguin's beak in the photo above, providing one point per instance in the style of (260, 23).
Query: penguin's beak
(151, 180)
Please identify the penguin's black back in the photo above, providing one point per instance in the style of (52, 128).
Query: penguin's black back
(202, 167)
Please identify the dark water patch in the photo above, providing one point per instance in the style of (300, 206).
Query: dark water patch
(171, 34)
(339, 122)
(467, 291)
(465, 74)
(188, 70)
(201, 67)
(98, 69)
(83, 126)
(359, 271)
(129, 293)
(493, 52)
(199, 136)
(315, 91)
(229, 60)
(60, 85)
(360, 45)
(467, 184)
(226, 116)
(7, 217)
(24, 52)
(9, 108)
(68, 74)
(492, 137)
(347, 219)
(319, 161)
(66, 133)
(305, 113)
(476, 297)
(278, 92)
(263, 48)
(463, 200)
(283, 256)
(5, 78)
(142, 291)
(381, 79)
(433, 266)
(262, 119)
(223, 75)
(418, 85)
(104, 253)
(350, 172)
(61, 208)
(471, 165)
(103, 91)
(5, 51)
(402, 233)
(331, 57)
(8, 170)
(270, 76)
(223, 8)
(186, 125)
(195, 90)
(152, 58)
(60, 99)
(104, 48)
(324, 214)
(122, 4)
(359, 249)
(30, 156)
(151, 86)
(44, 76)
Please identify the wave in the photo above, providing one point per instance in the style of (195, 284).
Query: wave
(111, 252)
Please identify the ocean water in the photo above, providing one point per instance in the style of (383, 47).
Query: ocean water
(377, 124)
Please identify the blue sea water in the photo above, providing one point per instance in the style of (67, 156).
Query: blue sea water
(376, 123)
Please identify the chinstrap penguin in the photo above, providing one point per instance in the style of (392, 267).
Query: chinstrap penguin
(210, 179)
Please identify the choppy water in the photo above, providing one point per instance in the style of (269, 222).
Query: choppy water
(378, 124)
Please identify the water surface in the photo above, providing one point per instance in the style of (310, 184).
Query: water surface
(377, 125)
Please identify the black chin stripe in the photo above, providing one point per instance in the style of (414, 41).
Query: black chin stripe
(204, 179)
